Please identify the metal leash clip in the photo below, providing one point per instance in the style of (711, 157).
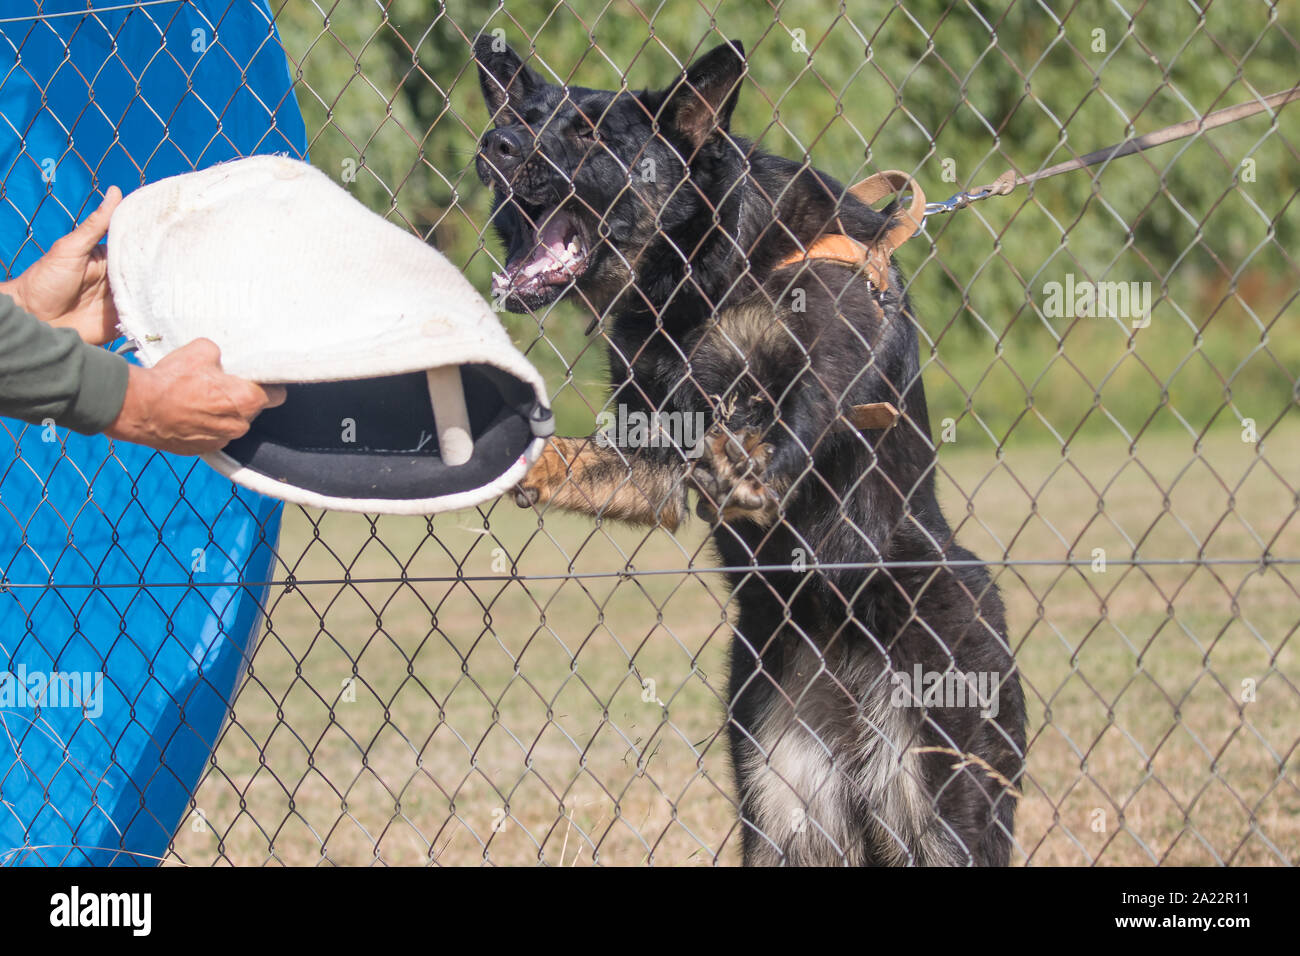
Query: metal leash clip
(959, 201)
(1001, 186)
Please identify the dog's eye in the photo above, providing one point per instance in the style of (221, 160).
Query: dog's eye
(586, 132)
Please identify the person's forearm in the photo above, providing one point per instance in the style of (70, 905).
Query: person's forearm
(50, 373)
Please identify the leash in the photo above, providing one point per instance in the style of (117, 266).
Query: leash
(873, 257)
(1008, 181)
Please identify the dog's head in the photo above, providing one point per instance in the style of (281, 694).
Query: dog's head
(587, 180)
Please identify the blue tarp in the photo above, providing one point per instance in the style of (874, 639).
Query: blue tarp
(119, 562)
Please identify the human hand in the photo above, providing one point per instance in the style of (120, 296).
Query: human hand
(68, 286)
(187, 405)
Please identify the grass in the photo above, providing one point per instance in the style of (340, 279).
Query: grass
(481, 717)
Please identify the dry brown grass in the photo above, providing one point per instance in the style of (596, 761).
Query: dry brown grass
(502, 720)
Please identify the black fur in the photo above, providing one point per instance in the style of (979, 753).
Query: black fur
(682, 267)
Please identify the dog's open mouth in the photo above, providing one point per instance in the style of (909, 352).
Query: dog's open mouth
(557, 256)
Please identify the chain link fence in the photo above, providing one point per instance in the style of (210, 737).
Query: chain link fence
(513, 685)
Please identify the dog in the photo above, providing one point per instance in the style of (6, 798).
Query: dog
(690, 247)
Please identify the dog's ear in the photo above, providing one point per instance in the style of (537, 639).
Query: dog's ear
(701, 102)
(502, 76)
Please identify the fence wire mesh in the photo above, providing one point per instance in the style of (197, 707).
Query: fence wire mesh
(514, 685)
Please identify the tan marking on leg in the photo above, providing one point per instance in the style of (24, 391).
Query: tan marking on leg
(578, 474)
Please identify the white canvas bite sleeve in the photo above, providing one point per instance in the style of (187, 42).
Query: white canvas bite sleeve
(405, 394)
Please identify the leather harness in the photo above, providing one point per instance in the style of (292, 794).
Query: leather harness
(871, 258)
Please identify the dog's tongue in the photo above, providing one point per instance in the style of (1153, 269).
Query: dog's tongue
(551, 258)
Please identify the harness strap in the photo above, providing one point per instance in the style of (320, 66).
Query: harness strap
(871, 257)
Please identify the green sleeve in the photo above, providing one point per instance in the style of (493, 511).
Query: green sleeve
(49, 373)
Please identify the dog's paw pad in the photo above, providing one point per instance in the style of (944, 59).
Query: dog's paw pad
(729, 476)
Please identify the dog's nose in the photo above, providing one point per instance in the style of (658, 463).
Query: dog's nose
(502, 148)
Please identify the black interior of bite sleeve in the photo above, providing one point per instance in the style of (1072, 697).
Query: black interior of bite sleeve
(394, 450)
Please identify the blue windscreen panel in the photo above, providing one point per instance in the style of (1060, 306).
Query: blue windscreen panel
(133, 581)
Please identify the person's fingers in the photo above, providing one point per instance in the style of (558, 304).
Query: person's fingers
(98, 260)
(230, 427)
(249, 398)
(87, 235)
(207, 399)
(195, 355)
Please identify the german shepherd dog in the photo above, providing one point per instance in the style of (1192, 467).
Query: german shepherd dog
(862, 624)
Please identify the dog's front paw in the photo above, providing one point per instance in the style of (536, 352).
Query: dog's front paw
(547, 474)
(729, 475)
